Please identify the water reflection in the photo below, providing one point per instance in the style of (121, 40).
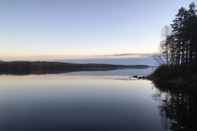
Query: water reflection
(178, 109)
(62, 103)
(82, 102)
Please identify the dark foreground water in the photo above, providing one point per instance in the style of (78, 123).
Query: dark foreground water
(68, 102)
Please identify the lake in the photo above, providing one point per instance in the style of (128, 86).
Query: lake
(91, 101)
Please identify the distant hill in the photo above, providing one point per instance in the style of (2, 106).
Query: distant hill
(43, 67)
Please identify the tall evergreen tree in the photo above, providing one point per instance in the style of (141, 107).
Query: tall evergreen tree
(180, 46)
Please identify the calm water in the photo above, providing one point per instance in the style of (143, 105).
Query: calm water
(68, 102)
(118, 72)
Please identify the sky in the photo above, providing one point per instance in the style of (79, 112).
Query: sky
(38, 28)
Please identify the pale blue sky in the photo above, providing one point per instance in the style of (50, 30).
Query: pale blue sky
(83, 27)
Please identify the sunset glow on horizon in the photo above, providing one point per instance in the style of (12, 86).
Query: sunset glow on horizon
(56, 28)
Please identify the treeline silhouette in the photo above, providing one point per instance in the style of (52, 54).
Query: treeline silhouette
(179, 52)
(41, 67)
(180, 44)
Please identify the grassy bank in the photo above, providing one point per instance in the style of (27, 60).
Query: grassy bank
(175, 77)
(37, 67)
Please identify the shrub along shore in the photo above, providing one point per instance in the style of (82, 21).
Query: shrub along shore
(182, 77)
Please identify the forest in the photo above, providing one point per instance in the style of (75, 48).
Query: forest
(178, 58)
(180, 44)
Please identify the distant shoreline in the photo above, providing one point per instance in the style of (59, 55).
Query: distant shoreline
(44, 67)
